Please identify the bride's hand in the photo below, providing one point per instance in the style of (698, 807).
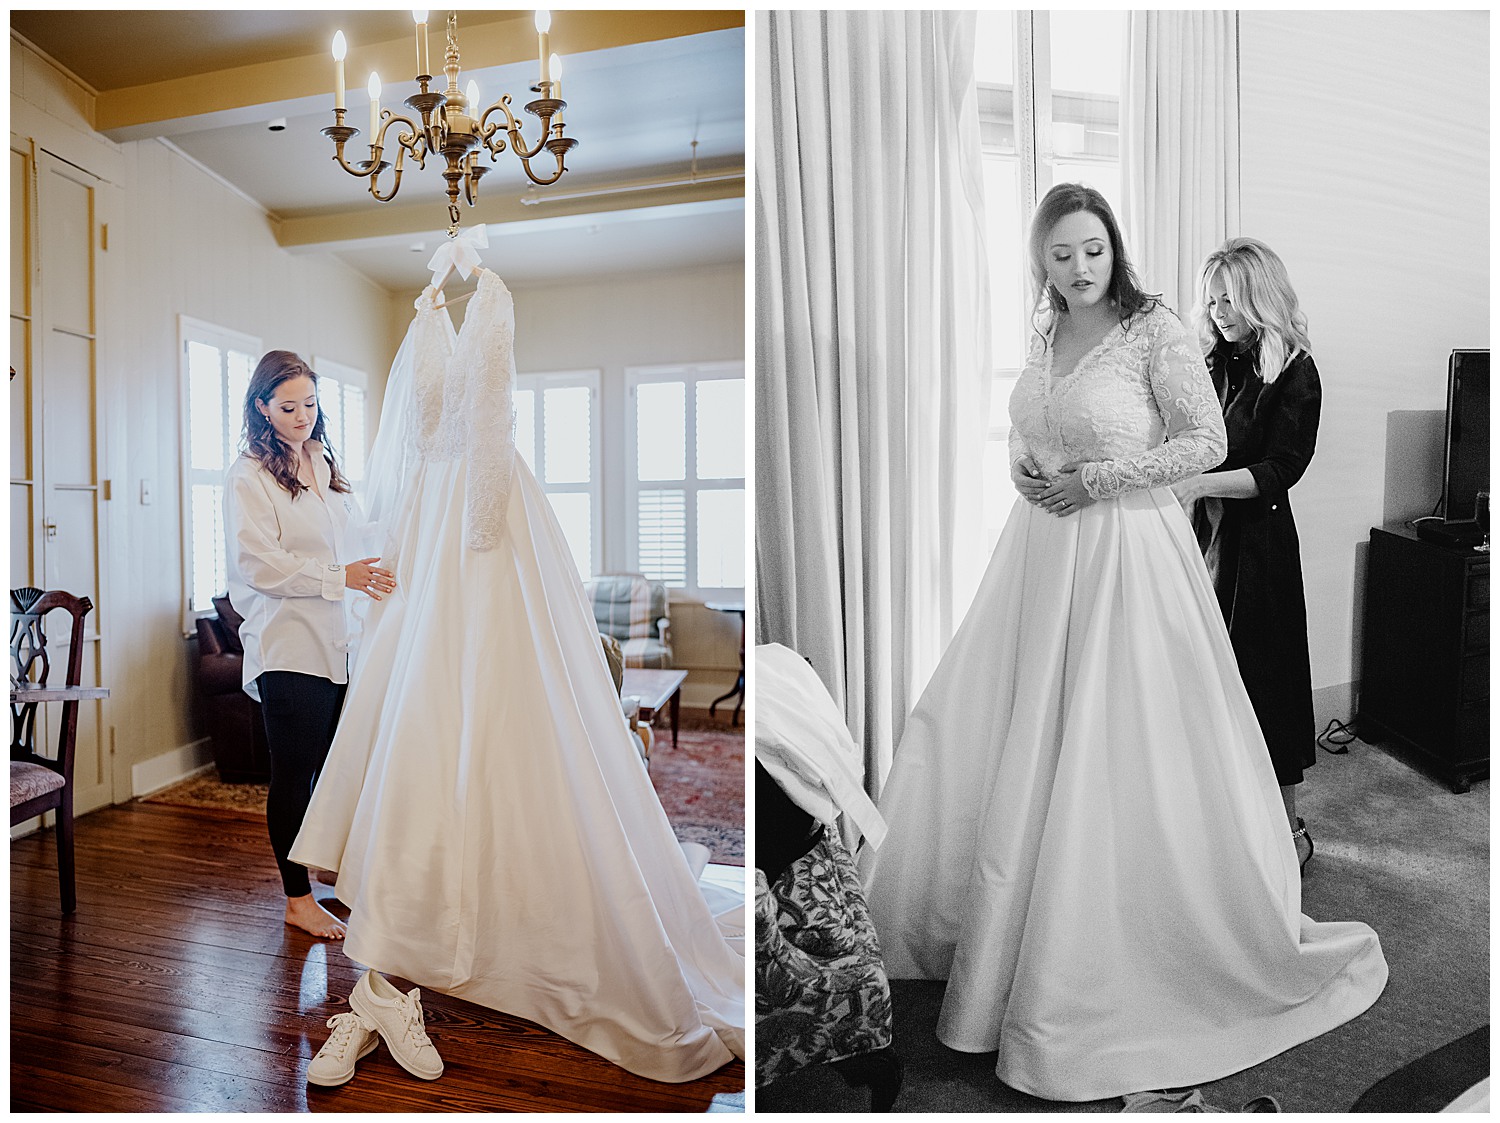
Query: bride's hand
(1066, 494)
(365, 577)
(1027, 478)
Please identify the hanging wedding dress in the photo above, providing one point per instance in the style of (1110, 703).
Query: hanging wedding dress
(1085, 833)
(494, 830)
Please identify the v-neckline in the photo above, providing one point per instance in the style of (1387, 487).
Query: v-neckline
(1051, 381)
(435, 308)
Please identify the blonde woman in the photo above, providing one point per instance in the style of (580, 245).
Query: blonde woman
(1254, 339)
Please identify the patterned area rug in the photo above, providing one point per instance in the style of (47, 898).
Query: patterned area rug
(701, 785)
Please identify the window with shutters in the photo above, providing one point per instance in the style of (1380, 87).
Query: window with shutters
(216, 367)
(685, 466)
(558, 434)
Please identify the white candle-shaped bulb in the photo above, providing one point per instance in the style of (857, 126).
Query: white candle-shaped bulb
(543, 25)
(420, 19)
(471, 91)
(374, 88)
(556, 67)
(340, 49)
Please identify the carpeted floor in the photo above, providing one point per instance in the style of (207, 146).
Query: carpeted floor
(700, 782)
(1396, 849)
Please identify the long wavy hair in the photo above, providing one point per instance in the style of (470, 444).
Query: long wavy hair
(1262, 294)
(259, 439)
(1124, 290)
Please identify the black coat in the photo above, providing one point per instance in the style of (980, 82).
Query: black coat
(1251, 546)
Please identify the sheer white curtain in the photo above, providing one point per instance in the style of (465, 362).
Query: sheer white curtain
(872, 350)
(1180, 151)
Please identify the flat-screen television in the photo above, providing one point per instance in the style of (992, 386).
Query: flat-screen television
(1466, 454)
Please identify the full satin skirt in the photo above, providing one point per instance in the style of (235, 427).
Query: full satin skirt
(1086, 836)
(494, 830)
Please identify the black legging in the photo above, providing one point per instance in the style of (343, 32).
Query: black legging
(301, 712)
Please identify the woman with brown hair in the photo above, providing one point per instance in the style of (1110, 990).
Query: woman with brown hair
(287, 510)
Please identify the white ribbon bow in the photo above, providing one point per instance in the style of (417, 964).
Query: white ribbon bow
(461, 253)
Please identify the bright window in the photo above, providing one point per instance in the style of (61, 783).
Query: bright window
(1049, 87)
(558, 434)
(343, 397)
(685, 459)
(216, 366)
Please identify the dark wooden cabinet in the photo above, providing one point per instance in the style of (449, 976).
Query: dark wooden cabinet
(1426, 676)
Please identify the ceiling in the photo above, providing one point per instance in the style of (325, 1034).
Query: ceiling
(640, 87)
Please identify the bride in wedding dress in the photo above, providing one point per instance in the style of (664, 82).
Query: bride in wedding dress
(495, 834)
(1086, 838)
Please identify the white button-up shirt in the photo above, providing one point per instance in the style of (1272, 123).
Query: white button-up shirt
(286, 571)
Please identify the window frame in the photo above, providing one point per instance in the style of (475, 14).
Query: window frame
(344, 375)
(223, 340)
(592, 379)
(690, 374)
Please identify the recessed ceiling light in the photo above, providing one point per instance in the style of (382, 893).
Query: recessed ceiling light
(417, 247)
(277, 125)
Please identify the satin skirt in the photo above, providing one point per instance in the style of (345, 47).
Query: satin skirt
(1086, 836)
(494, 830)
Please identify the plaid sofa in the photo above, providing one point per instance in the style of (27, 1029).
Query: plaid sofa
(633, 610)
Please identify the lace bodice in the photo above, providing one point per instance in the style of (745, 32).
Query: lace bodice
(463, 383)
(1139, 409)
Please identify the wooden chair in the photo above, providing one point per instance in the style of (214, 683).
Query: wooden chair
(39, 783)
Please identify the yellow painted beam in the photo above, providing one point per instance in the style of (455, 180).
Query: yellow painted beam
(124, 114)
(372, 220)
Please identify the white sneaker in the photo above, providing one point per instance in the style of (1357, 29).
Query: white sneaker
(397, 1018)
(352, 1039)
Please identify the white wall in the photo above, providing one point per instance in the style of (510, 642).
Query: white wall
(685, 315)
(1364, 164)
(180, 242)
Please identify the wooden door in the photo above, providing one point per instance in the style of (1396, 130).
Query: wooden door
(56, 491)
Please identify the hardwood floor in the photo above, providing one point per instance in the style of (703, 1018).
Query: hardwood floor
(177, 987)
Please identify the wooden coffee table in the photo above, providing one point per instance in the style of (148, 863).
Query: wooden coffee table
(656, 690)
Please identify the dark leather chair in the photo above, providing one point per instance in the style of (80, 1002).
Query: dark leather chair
(235, 727)
(40, 783)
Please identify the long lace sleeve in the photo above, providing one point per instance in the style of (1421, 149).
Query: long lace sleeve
(1195, 439)
(1017, 444)
(491, 440)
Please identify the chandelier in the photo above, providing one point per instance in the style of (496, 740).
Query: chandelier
(451, 123)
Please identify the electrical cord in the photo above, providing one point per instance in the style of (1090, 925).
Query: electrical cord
(1337, 736)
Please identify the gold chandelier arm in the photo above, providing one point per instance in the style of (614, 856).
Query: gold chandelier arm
(413, 140)
(526, 165)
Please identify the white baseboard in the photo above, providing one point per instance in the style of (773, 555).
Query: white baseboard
(171, 767)
(1336, 702)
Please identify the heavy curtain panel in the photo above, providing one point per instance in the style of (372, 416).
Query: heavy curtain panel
(872, 351)
(1180, 156)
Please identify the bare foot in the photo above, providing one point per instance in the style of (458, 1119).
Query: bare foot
(305, 913)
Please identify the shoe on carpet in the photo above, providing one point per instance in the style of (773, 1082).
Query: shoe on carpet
(397, 1018)
(1191, 1100)
(352, 1040)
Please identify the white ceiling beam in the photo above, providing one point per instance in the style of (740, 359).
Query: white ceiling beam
(373, 223)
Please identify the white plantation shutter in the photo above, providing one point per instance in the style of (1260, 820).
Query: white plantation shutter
(216, 366)
(686, 432)
(661, 536)
(558, 435)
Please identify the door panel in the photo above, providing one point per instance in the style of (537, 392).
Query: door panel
(66, 455)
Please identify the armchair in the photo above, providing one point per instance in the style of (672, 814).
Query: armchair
(235, 726)
(821, 992)
(633, 609)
